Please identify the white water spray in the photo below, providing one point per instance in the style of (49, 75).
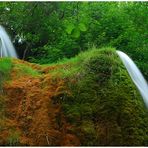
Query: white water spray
(6, 47)
(136, 76)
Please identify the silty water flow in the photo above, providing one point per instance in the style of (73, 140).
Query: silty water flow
(6, 47)
(135, 75)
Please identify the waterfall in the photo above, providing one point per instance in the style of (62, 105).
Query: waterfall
(135, 75)
(6, 47)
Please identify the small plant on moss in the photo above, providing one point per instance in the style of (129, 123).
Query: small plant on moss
(13, 138)
(5, 65)
(2, 106)
(5, 69)
(89, 132)
(2, 113)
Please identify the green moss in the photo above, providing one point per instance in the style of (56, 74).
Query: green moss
(5, 69)
(26, 70)
(105, 107)
(5, 65)
(74, 66)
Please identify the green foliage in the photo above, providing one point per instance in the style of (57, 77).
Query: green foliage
(69, 28)
(50, 55)
(82, 27)
(75, 29)
(76, 33)
(52, 31)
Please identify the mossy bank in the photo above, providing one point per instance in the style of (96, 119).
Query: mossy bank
(89, 100)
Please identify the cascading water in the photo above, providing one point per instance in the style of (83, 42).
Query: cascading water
(6, 47)
(135, 75)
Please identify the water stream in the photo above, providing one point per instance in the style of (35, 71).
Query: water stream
(135, 75)
(6, 47)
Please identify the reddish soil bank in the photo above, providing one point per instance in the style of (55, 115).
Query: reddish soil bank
(32, 111)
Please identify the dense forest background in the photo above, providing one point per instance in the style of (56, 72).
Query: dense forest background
(49, 31)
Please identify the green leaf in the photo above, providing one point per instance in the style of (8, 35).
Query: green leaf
(76, 33)
(82, 27)
(70, 28)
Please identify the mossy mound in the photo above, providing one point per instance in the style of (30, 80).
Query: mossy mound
(88, 100)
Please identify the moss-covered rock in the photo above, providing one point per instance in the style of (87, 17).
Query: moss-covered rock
(88, 100)
(105, 97)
